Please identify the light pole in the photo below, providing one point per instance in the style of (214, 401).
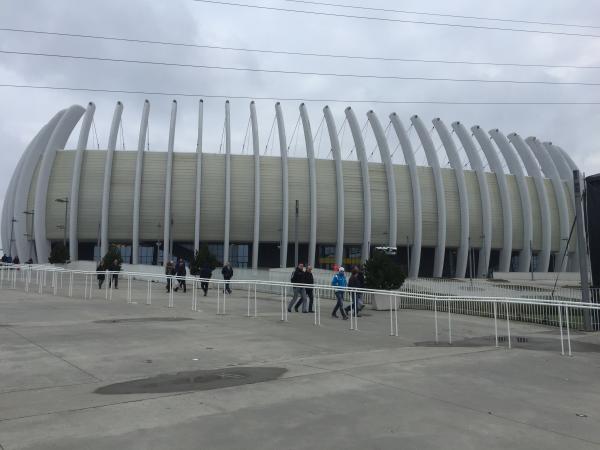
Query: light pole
(296, 234)
(64, 200)
(30, 236)
(12, 229)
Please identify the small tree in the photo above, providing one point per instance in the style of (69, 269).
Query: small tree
(202, 257)
(59, 254)
(382, 272)
(112, 254)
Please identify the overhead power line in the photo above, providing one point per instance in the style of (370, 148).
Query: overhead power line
(453, 16)
(294, 53)
(297, 99)
(306, 73)
(390, 19)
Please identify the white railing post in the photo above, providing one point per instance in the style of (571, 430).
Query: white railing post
(149, 292)
(396, 313)
(449, 324)
(508, 324)
(568, 330)
(435, 318)
(391, 317)
(255, 310)
(496, 322)
(248, 314)
(562, 344)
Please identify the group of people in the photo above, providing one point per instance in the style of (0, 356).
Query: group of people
(113, 267)
(7, 259)
(179, 271)
(302, 295)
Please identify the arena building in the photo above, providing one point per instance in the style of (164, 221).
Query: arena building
(443, 219)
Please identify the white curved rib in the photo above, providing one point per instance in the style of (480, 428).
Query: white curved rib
(533, 169)
(23, 180)
(198, 176)
(168, 186)
(496, 167)
(550, 171)
(486, 207)
(137, 186)
(463, 199)
(256, 150)
(386, 159)
(112, 145)
(512, 161)
(339, 183)
(312, 184)
(361, 154)
(440, 194)
(74, 199)
(57, 140)
(417, 209)
(227, 183)
(283, 246)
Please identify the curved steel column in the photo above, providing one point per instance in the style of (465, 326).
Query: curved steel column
(312, 184)
(386, 159)
(137, 186)
(417, 210)
(23, 179)
(84, 134)
(227, 183)
(283, 246)
(339, 183)
(514, 167)
(486, 207)
(112, 145)
(198, 176)
(168, 186)
(57, 140)
(456, 164)
(496, 167)
(550, 171)
(440, 194)
(361, 154)
(256, 150)
(533, 169)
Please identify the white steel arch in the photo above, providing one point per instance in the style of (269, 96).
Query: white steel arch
(256, 151)
(496, 166)
(23, 184)
(283, 248)
(361, 153)
(512, 161)
(456, 164)
(432, 159)
(167, 238)
(112, 145)
(533, 169)
(312, 183)
(339, 183)
(386, 159)
(409, 157)
(137, 186)
(486, 207)
(57, 140)
(198, 176)
(550, 171)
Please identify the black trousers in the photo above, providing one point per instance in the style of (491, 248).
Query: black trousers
(114, 278)
(204, 286)
(100, 282)
(181, 284)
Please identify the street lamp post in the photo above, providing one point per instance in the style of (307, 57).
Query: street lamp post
(64, 200)
(12, 229)
(30, 236)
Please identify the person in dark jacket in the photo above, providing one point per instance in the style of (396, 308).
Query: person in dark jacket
(181, 273)
(206, 273)
(357, 280)
(100, 268)
(114, 277)
(299, 276)
(227, 273)
(169, 272)
(308, 279)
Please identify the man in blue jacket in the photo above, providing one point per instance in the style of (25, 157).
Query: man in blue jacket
(339, 280)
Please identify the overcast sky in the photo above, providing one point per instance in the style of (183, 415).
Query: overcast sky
(24, 111)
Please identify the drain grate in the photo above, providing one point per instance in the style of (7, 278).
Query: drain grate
(514, 338)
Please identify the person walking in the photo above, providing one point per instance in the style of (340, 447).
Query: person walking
(115, 267)
(181, 273)
(100, 273)
(357, 281)
(339, 280)
(169, 272)
(227, 273)
(205, 273)
(299, 292)
(308, 279)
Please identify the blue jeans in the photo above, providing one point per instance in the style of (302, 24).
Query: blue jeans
(339, 305)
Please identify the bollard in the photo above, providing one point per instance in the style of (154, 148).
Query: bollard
(149, 293)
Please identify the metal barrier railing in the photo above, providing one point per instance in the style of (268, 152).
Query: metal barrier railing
(565, 313)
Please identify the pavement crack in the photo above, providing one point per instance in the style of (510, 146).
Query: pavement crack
(89, 374)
